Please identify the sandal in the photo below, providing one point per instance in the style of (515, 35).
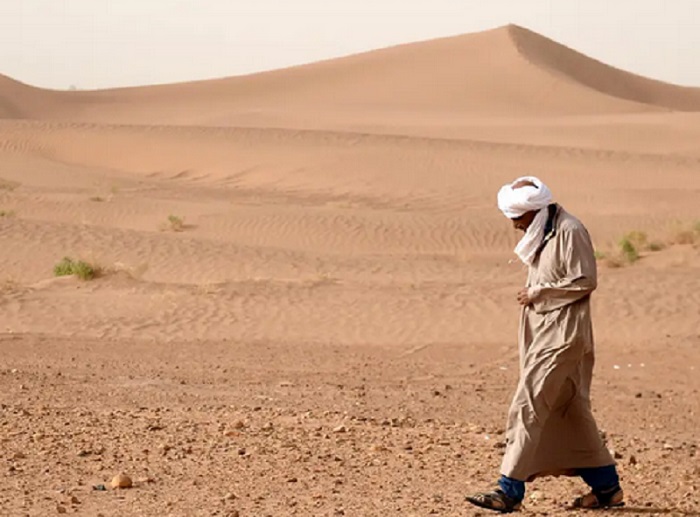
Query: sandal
(598, 500)
(496, 501)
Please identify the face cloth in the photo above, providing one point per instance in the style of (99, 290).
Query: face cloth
(516, 202)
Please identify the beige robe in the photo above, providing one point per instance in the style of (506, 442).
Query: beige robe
(551, 429)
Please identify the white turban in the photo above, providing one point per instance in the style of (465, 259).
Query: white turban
(515, 202)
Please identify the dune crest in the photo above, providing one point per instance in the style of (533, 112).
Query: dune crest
(570, 64)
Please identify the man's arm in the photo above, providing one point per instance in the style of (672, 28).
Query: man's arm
(580, 278)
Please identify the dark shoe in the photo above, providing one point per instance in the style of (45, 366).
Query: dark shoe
(496, 501)
(612, 498)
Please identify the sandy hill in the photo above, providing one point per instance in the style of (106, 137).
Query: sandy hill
(507, 71)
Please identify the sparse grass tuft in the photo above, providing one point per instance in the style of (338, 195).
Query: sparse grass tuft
(628, 250)
(79, 268)
(7, 213)
(177, 224)
(633, 243)
(97, 199)
(637, 239)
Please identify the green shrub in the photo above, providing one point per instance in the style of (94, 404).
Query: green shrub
(79, 268)
(629, 250)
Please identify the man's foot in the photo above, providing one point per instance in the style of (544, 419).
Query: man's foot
(612, 498)
(496, 501)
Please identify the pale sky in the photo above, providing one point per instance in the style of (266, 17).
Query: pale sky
(106, 43)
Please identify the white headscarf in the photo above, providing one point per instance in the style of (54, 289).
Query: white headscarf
(516, 202)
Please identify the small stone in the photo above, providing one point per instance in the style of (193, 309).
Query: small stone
(234, 513)
(61, 509)
(240, 424)
(292, 480)
(74, 500)
(20, 456)
(633, 460)
(121, 481)
(340, 429)
(638, 396)
(536, 496)
(668, 447)
(229, 497)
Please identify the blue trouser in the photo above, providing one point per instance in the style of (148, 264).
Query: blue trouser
(600, 479)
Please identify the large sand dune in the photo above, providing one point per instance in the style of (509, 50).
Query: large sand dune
(507, 71)
(341, 262)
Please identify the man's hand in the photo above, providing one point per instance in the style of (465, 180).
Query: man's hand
(524, 297)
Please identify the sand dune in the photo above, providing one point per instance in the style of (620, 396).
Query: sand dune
(507, 71)
(339, 233)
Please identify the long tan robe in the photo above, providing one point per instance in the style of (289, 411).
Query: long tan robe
(551, 429)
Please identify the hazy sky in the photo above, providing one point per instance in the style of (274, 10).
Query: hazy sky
(103, 43)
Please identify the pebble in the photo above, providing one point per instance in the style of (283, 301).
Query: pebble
(536, 496)
(61, 509)
(229, 497)
(340, 429)
(121, 481)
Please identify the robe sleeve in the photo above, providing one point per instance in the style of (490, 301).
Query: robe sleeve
(580, 273)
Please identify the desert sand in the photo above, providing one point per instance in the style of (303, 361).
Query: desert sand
(332, 328)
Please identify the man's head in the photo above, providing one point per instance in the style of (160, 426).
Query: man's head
(521, 200)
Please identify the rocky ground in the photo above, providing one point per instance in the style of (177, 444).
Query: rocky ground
(222, 429)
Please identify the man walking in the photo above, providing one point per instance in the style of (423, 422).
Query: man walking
(551, 430)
